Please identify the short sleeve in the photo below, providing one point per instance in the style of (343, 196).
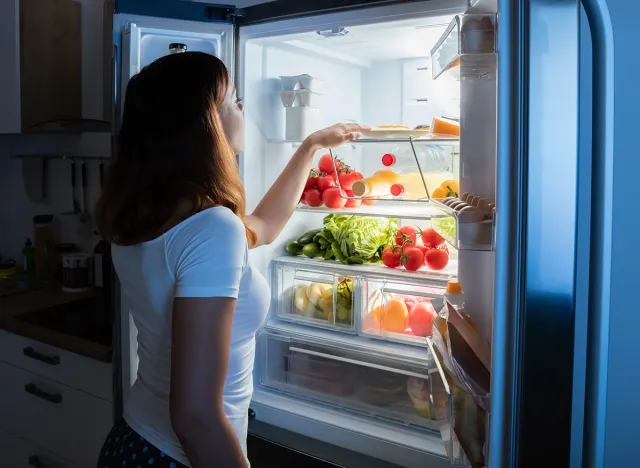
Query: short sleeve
(211, 255)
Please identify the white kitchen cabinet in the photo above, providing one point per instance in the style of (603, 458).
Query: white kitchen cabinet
(68, 422)
(21, 453)
(53, 69)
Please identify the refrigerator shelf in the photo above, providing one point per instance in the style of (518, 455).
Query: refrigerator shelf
(385, 141)
(470, 38)
(383, 208)
(344, 378)
(463, 424)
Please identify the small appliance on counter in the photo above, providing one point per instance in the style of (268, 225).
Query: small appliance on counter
(77, 272)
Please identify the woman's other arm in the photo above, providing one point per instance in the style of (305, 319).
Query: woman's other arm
(277, 206)
(199, 357)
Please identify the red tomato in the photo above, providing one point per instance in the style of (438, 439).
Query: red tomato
(369, 201)
(422, 248)
(331, 197)
(421, 318)
(347, 177)
(312, 197)
(412, 259)
(391, 256)
(431, 238)
(326, 164)
(436, 259)
(326, 181)
(312, 180)
(354, 202)
(407, 235)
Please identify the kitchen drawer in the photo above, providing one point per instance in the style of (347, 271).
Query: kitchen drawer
(66, 421)
(16, 452)
(314, 294)
(343, 376)
(71, 369)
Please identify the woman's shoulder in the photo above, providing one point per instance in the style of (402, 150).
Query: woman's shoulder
(217, 225)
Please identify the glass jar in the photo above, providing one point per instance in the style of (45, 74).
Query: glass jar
(45, 249)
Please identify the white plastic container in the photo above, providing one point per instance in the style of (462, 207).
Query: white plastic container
(300, 98)
(290, 83)
(301, 122)
(310, 83)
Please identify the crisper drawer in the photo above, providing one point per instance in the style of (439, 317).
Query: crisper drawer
(310, 294)
(62, 366)
(68, 422)
(347, 378)
(17, 452)
(401, 311)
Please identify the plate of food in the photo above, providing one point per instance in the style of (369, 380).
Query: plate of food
(396, 131)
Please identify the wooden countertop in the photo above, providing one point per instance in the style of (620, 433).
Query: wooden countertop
(11, 307)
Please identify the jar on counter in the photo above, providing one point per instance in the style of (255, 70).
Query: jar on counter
(77, 272)
(44, 245)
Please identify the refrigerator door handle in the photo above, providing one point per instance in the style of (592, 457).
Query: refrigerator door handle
(358, 363)
(534, 313)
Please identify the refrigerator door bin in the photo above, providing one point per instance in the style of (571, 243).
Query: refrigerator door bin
(466, 225)
(389, 310)
(343, 377)
(469, 37)
(314, 297)
(463, 424)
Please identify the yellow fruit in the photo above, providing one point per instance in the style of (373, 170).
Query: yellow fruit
(394, 315)
(440, 193)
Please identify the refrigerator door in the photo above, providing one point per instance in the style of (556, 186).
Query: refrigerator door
(612, 380)
(543, 291)
(142, 32)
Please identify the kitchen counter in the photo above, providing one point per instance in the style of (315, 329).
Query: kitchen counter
(51, 316)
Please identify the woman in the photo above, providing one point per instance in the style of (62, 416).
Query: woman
(173, 207)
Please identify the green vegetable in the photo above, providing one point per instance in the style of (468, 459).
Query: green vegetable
(344, 301)
(311, 250)
(307, 237)
(293, 248)
(359, 236)
(354, 259)
(328, 255)
(335, 248)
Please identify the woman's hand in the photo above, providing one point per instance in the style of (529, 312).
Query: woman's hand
(335, 135)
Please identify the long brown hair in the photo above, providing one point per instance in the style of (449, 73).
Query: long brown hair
(171, 148)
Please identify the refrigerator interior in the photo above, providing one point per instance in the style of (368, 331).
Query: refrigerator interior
(373, 74)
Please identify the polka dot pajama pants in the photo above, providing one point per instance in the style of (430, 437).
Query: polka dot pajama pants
(125, 448)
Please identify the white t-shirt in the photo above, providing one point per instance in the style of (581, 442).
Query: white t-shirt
(204, 256)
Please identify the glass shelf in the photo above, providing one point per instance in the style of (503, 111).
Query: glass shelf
(382, 141)
(383, 208)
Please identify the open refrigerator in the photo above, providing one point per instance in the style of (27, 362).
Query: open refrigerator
(334, 373)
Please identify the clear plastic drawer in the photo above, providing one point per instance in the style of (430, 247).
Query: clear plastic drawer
(400, 311)
(315, 296)
(356, 380)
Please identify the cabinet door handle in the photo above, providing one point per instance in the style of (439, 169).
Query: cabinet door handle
(33, 354)
(36, 463)
(50, 397)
